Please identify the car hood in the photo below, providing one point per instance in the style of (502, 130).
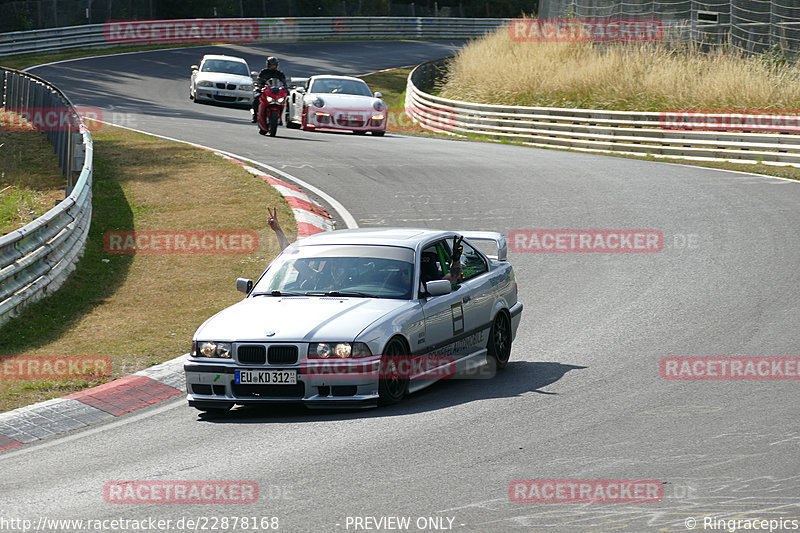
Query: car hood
(223, 77)
(296, 319)
(344, 101)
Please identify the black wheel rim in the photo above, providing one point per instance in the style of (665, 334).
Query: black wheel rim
(395, 385)
(502, 338)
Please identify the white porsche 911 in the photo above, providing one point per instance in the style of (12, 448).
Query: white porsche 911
(336, 103)
(224, 79)
(356, 318)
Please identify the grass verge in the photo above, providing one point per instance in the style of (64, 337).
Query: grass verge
(30, 179)
(142, 309)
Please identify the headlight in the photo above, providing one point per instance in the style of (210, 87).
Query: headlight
(377, 118)
(281, 99)
(318, 102)
(245, 87)
(338, 350)
(270, 99)
(211, 349)
(378, 105)
(204, 84)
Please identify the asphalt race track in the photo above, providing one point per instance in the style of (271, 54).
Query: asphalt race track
(582, 399)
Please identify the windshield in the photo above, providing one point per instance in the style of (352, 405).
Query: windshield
(358, 271)
(275, 84)
(338, 86)
(227, 67)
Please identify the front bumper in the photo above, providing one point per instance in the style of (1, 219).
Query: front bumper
(224, 96)
(351, 384)
(516, 317)
(348, 120)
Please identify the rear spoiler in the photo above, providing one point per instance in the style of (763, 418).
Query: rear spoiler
(489, 236)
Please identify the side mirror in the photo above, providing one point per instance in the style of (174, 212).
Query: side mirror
(378, 94)
(195, 67)
(438, 287)
(301, 90)
(244, 285)
(253, 74)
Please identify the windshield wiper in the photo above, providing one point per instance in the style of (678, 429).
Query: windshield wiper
(277, 293)
(340, 293)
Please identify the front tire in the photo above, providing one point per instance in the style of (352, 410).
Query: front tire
(288, 121)
(392, 386)
(378, 133)
(500, 340)
(273, 122)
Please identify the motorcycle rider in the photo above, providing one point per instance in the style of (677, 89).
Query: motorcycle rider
(263, 77)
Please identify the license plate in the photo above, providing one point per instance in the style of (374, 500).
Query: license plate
(266, 377)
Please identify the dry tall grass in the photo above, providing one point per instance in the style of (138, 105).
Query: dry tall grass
(644, 77)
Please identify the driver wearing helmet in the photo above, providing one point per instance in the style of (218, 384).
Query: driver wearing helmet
(263, 77)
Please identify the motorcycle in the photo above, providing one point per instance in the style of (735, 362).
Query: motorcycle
(270, 106)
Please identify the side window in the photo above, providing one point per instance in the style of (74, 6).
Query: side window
(430, 265)
(472, 263)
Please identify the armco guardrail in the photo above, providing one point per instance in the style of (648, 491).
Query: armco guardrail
(275, 29)
(623, 132)
(36, 259)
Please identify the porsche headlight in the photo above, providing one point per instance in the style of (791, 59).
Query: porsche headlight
(211, 349)
(378, 105)
(318, 102)
(338, 350)
(204, 84)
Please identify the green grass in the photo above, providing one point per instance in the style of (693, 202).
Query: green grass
(30, 179)
(140, 310)
(14, 201)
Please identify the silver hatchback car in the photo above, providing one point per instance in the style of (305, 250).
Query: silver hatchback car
(223, 79)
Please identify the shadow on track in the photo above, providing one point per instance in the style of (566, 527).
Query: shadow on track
(519, 378)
